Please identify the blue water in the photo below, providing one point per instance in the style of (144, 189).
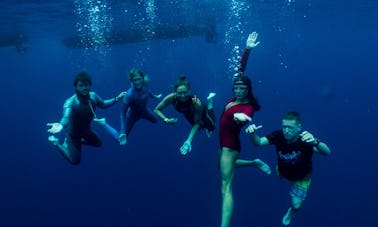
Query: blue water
(317, 57)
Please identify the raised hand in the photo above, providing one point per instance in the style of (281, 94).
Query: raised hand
(251, 41)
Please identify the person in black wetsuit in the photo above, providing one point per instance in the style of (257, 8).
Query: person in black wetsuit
(78, 113)
(198, 114)
(294, 149)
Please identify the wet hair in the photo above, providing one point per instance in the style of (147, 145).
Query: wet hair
(83, 77)
(244, 80)
(181, 82)
(292, 115)
(135, 72)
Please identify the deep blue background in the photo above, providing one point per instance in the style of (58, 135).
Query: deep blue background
(316, 57)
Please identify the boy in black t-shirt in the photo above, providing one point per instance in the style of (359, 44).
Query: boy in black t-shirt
(294, 150)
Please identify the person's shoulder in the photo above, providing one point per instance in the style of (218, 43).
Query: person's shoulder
(71, 98)
(275, 136)
(170, 96)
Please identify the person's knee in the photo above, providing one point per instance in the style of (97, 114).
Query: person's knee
(74, 160)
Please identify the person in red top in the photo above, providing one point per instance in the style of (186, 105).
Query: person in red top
(237, 112)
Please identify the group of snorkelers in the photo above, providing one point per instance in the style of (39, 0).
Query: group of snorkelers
(294, 147)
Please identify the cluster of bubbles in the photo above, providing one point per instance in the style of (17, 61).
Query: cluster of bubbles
(94, 24)
(144, 21)
(234, 30)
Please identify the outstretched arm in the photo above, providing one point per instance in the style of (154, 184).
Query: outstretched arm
(256, 139)
(162, 105)
(250, 43)
(319, 146)
(109, 102)
(57, 127)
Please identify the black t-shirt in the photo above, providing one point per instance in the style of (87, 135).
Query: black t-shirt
(294, 159)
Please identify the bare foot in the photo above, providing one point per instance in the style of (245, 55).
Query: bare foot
(287, 218)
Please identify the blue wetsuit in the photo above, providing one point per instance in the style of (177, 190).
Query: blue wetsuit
(134, 108)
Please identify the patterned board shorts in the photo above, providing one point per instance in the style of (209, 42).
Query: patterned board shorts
(299, 188)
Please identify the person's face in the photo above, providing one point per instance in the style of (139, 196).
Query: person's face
(83, 87)
(182, 93)
(291, 130)
(137, 81)
(240, 91)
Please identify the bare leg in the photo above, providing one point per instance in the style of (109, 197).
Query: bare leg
(227, 168)
(257, 163)
(296, 203)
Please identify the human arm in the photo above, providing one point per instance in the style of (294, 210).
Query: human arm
(154, 96)
(198, 110)
(125, 108)
(57, 127)
(162, 105)
(108, 102)
(319, 147)
(250, 44)
(256, 139)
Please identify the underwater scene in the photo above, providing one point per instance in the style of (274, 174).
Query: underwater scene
(141, 113)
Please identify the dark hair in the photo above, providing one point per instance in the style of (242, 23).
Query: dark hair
(292, 115)
(252, 99)
(83, 77)
(181, 82)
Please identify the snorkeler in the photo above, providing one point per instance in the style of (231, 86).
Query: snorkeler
(78, 113)
(294, 149)
(237, 112)
(134, 106)
(198, 114)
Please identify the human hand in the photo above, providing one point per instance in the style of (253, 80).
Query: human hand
(242, 117)
(251, 41)
(122, 139)
(252, 128)
(308, 137)
(185, 148)
(171, 121)
(120, 95)
(55, 127)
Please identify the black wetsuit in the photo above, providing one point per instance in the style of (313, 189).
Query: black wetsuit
(188, 109)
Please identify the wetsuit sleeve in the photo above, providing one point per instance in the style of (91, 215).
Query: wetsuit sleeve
(67, 108)
(125, 108)
(102, 103)
(243, 61)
